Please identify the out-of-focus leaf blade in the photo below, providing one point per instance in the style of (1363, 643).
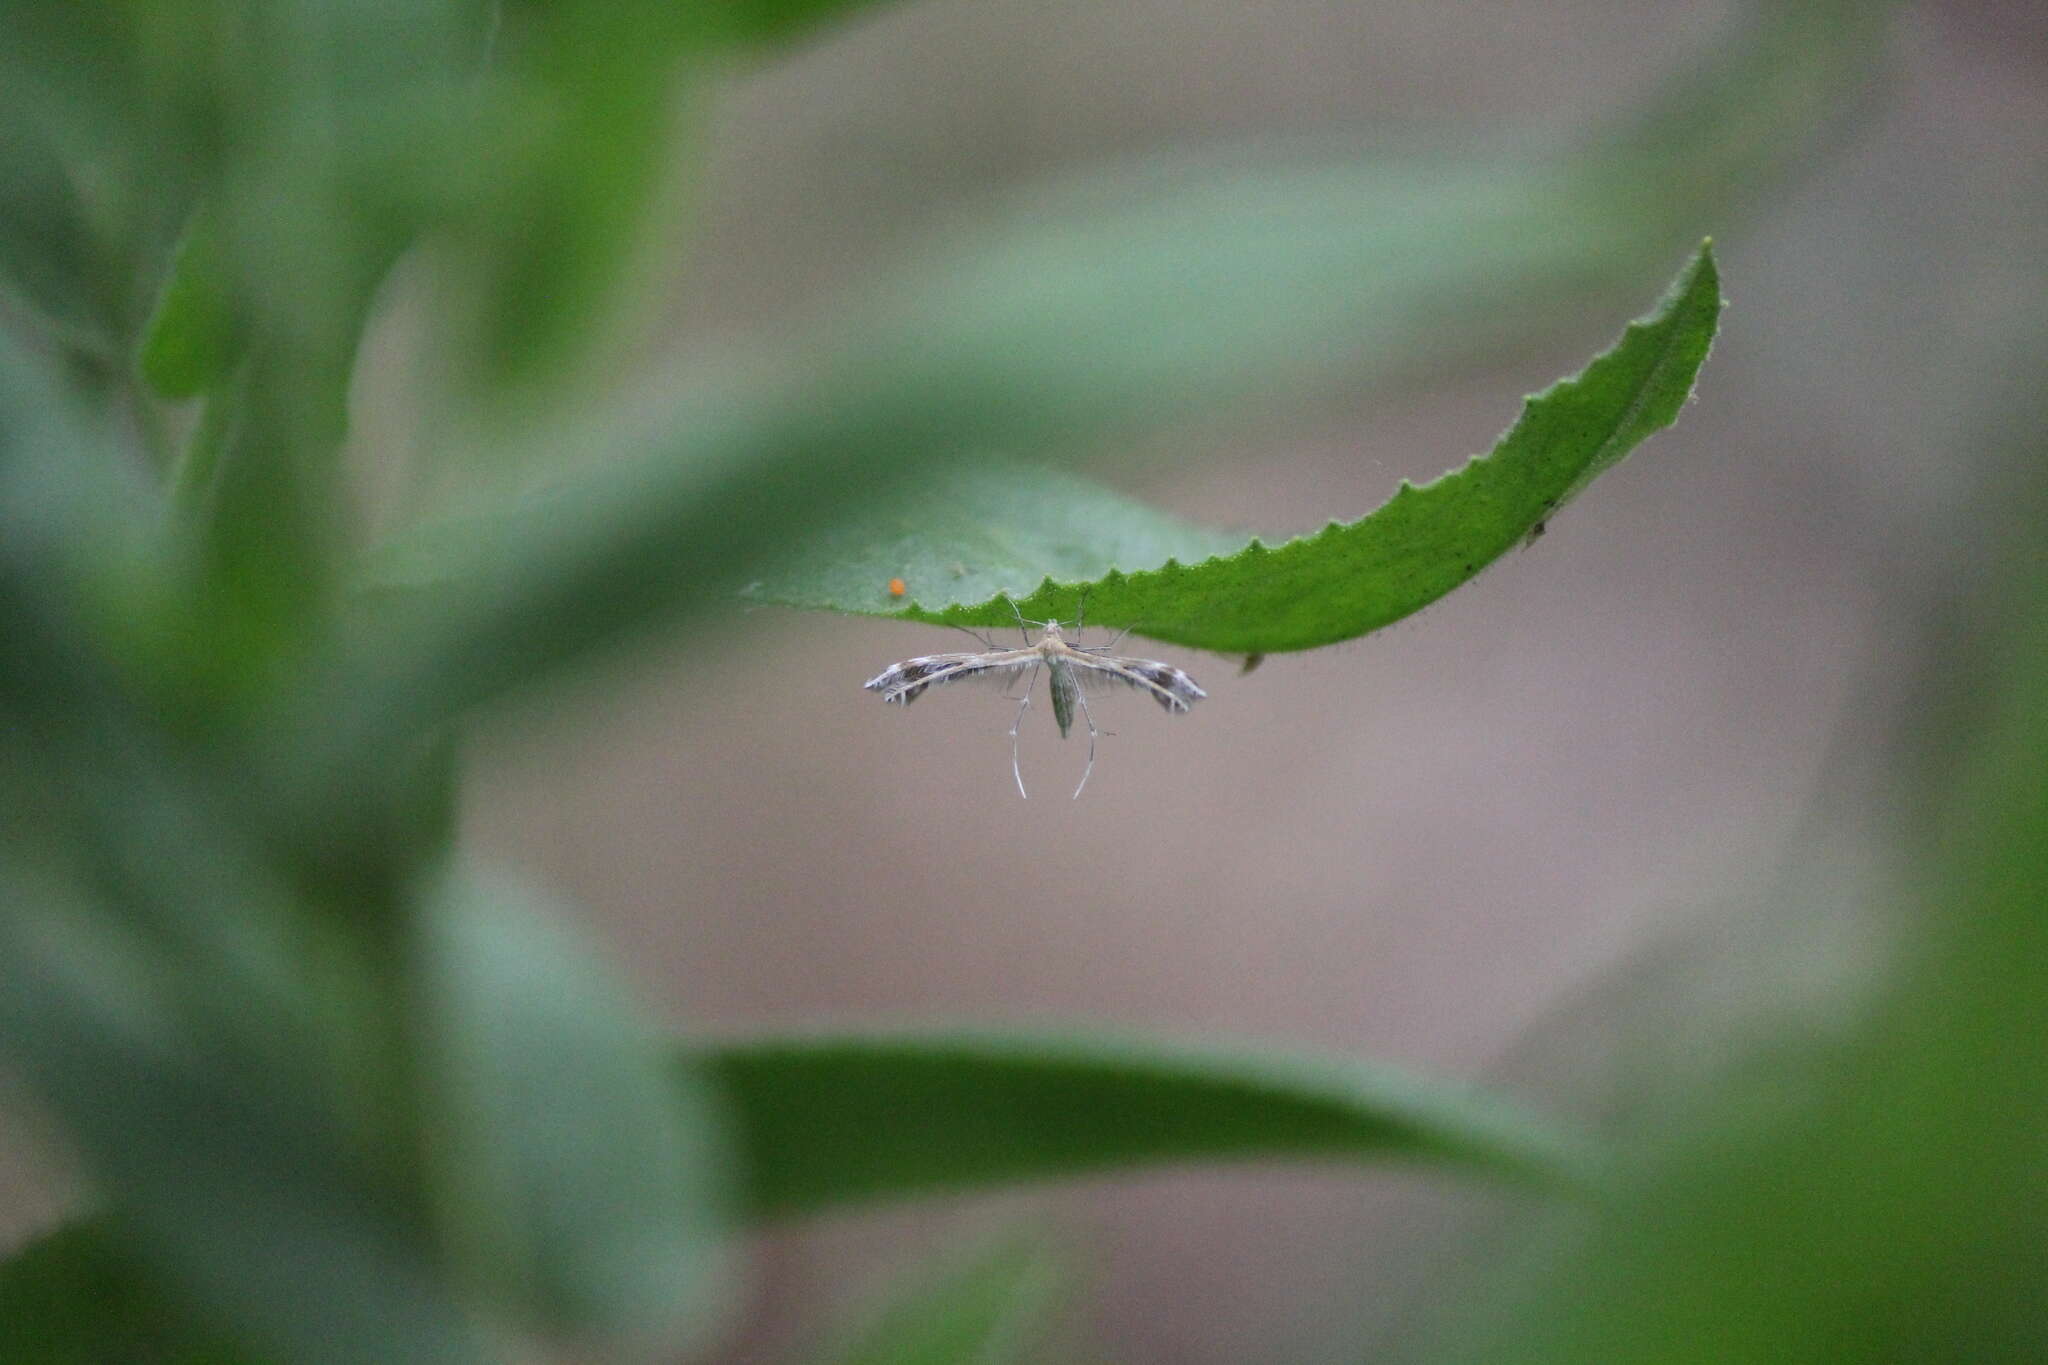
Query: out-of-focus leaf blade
(93, 188)
(963, 534)
(985, 1311)
(773, 23)
(1338, 584)
(600, 96)
(190, 341)
(831, 1121)
(1785, 82)
(49, 250)
(71, 1298)
(573, 1171)
(231, 1192)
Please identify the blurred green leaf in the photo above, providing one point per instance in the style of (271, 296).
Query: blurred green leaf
(1784, 84)
(1338, 584)
(606, 96)
(980, 1308)
(49, 250)
(599, 91)
(960, 535)
(94, 182)
(830, 1121)
(236, 1190)
(190, 341)
(573, 1169)
(766, 23)
(71, 1298)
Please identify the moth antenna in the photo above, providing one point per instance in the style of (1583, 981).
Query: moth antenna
(1114, 641)
(981, 636)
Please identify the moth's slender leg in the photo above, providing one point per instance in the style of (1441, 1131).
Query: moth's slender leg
(1016, 769)
(1081, 616)
(1086, 772)
(1015, 611)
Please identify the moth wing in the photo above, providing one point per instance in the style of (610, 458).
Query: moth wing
(1169, 686)
(906, 682)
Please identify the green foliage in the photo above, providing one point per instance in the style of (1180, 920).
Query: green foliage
(189, 345)
(822, 1123)
(572, 1167)
(71, 1298)
(341, 1097)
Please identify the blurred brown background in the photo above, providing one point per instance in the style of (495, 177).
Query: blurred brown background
(1414, 849)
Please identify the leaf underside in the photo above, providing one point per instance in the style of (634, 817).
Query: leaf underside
(987, 535)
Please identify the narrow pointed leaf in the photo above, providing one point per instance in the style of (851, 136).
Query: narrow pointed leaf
(190, 342)
(830, 1121)
(768, 25)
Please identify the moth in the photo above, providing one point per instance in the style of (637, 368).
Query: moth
(1071, 669)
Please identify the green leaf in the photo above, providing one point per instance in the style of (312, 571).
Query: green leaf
(51, 259)
(1077, 545)
(71, 1298)
(586, 181)
(773, 23)
(191, 342)
(981, 1308)
(572, 1172)
(826, 1122)
(190, 1078)
(831, 1121)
